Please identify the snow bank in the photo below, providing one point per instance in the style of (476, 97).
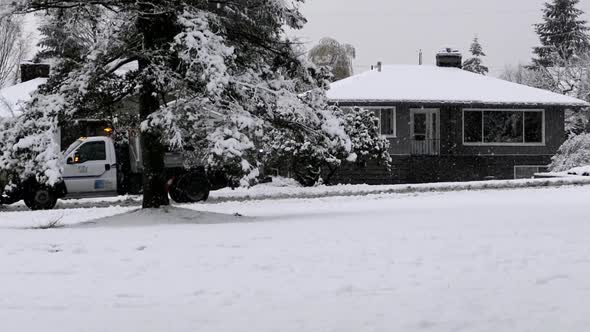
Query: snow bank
(583, 171)
(25, 219)
(574, 173)
(284, 188)
(163, 216)
(269, 191)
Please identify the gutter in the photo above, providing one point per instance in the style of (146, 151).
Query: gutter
(384, 102)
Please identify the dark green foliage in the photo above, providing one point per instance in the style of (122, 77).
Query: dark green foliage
(474, 64)
(562, 32)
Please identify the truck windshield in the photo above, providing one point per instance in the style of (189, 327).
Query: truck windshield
(72, 147)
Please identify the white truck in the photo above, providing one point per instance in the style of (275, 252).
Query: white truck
(96, 167)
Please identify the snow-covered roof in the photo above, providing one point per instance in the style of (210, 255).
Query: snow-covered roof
(436, 85)
(122, 70)
(12, 97)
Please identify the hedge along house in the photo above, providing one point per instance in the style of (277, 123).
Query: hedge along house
(447, 124)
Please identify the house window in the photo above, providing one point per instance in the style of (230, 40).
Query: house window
(503, 127)
(528, 172)
(386, 118)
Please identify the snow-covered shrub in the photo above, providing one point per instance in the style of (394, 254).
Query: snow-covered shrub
(575, 152)
(313, 159)
(367, 142)
(29, 145)
(577, 122)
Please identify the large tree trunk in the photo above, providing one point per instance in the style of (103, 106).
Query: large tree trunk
(156, 32)
(152, 149)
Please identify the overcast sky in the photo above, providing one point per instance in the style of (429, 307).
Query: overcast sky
(393, 31)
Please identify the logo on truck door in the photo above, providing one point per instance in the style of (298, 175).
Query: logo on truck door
(103, 184)
(82, 169)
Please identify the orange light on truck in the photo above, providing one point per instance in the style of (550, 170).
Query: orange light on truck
(108, 130)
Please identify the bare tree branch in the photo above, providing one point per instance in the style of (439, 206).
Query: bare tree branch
(13, 48)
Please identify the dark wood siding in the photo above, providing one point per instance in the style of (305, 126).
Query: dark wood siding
(422, 169)
(457, 161)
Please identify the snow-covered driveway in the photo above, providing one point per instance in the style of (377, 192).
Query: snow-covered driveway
(513, 260)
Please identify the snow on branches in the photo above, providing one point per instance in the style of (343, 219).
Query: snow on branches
(225, 85)
(29, 143)
(575, 152)
(202, 52)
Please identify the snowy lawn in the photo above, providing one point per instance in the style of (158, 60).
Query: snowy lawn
(513, 260)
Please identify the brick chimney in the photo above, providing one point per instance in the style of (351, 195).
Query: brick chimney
(30, 71)
(449, 58)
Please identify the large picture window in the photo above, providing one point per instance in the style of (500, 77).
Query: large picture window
(386, 118)
(503, 127)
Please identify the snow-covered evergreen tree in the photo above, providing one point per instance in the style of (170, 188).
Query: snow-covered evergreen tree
(563, 31)
(475, 64)
(68, 33)
(194, 59)
(362, 125)
(571, 77)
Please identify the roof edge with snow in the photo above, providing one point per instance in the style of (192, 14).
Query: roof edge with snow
(431, 85)
(362, 102)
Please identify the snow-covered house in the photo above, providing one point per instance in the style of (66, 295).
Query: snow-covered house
(12, 98)
(447, 124)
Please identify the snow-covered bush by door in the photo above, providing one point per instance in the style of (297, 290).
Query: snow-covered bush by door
(313, 159)
(575, 152)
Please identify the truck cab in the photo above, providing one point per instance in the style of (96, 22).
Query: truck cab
(91, 167)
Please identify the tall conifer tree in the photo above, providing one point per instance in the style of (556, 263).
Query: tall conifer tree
(562, 34)
(475, 64)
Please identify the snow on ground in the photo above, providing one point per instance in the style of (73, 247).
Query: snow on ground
(576, 172)
(283, 188)
(61, 217)
(496, 260)
(583, 171)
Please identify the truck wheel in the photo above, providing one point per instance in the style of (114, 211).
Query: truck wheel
(193, 187)
(176, 194)
(40, 199)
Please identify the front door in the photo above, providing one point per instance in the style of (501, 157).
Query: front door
(425, 131)
(90, 169)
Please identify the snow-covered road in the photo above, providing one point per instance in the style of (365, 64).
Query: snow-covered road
(513, 260)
